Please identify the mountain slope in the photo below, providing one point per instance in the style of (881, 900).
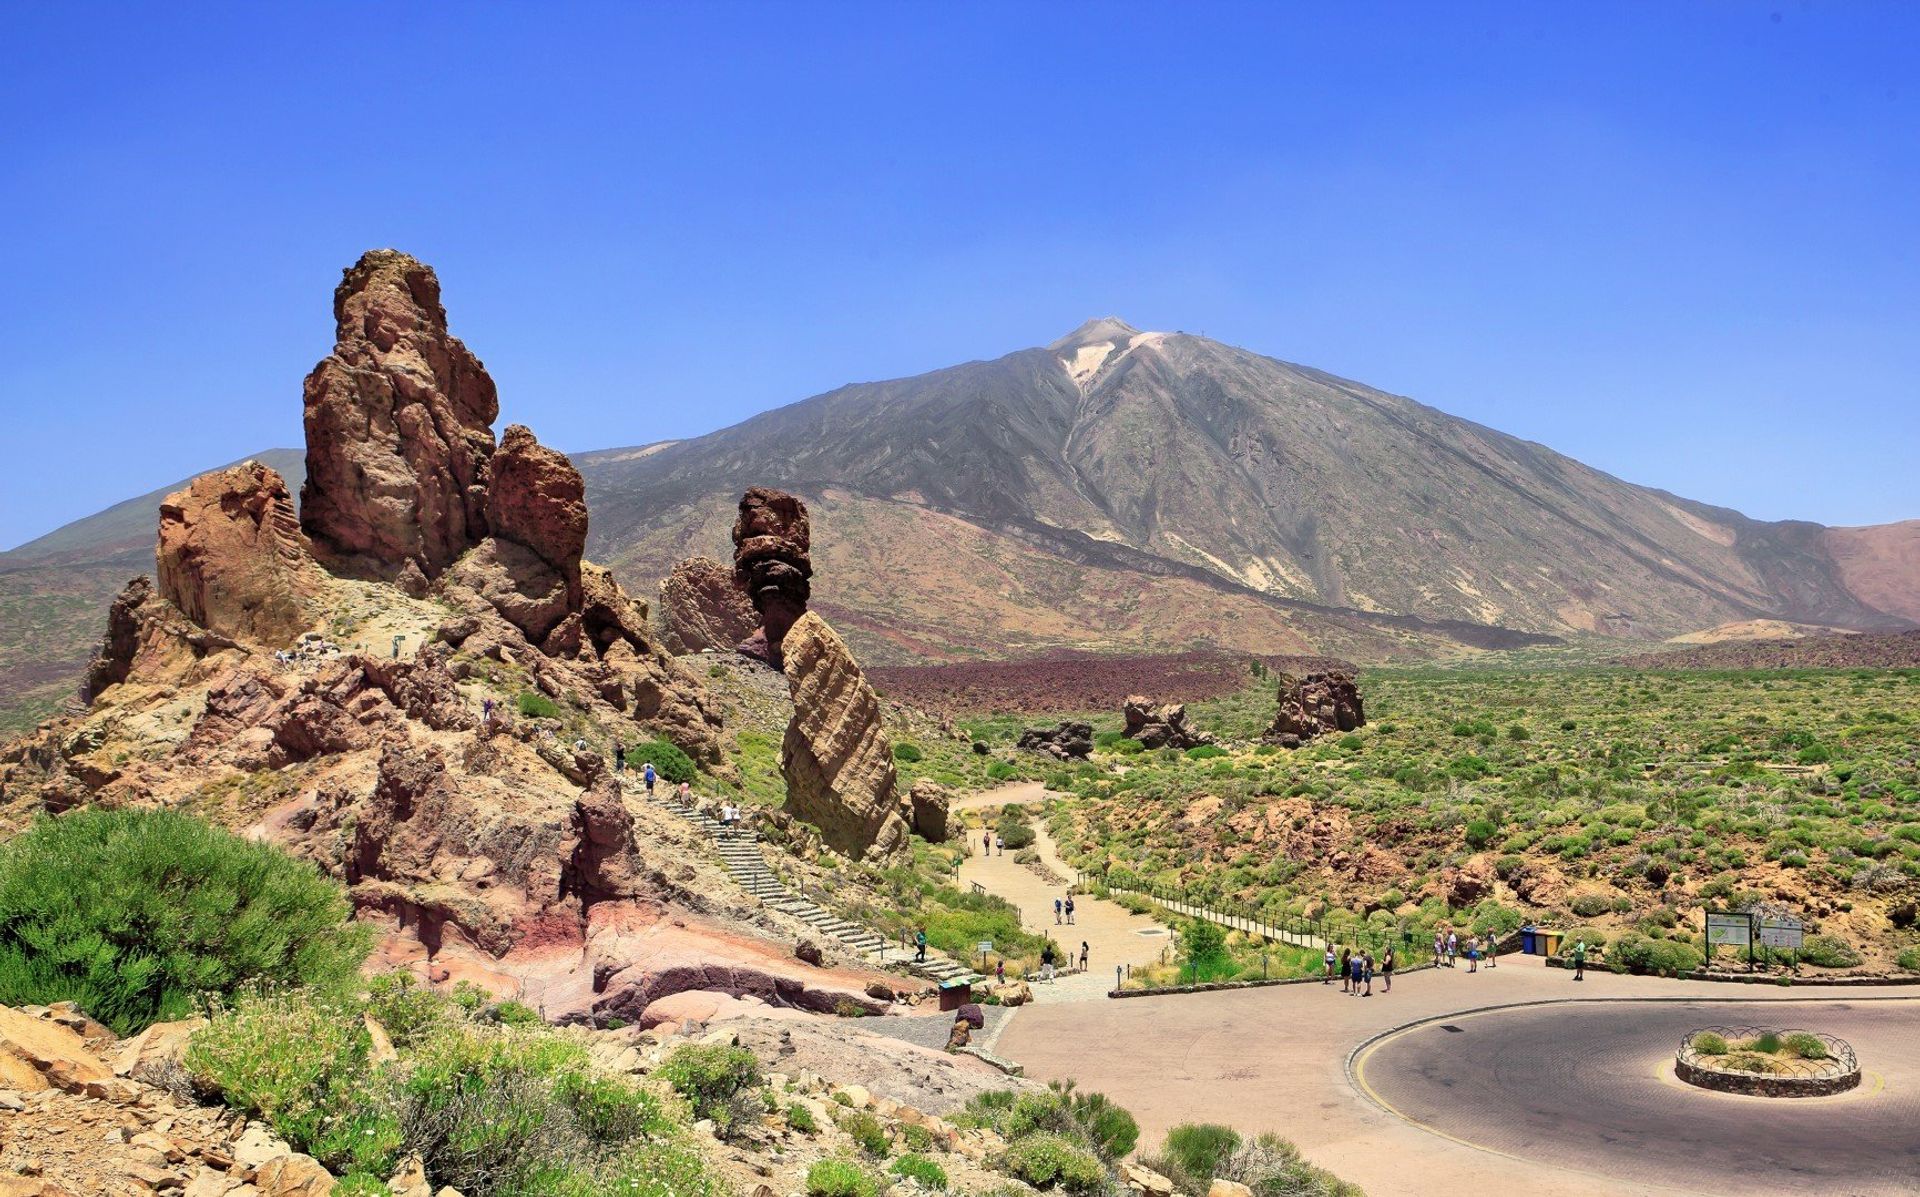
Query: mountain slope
(1174, 449)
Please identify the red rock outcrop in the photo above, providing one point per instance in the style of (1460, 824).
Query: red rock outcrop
(926, 810)
(771, 541)
(836, 758)
(1161, 725)
(536, 498)
(702, 608)
(399, 422)
(232, 557)
(1316, 703)
(149, 637)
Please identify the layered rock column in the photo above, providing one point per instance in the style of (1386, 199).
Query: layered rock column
(399, 421)
(771, 539)
(1316, 703)
(836, 758)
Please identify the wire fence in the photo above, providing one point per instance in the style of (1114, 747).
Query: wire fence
(1768, 1051)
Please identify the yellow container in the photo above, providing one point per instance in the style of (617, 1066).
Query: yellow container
(1550, 942)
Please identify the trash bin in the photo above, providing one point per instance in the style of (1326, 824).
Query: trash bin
(955, 994)
(1526, 940)
(1549, 941)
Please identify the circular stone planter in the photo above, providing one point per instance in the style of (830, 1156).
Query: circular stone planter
(1838, 1072)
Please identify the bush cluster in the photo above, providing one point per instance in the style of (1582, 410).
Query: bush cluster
(1196, 1154)
(668, 761)
(144, 915)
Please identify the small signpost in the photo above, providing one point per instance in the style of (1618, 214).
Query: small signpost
(1731, 930)
(986, 945)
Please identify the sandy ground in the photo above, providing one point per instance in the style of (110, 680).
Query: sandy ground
(1277, 1059)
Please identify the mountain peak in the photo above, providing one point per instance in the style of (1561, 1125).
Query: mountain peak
(1094, 331)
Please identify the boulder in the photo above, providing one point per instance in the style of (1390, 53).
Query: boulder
(232, 558)
(1160, 725)
(399, 422)
(293, 1175)
(772, 566)
(836, 759)
(1068, 741)
(1312, 705)
(536, 499)
(1228, 1188)
(37, 1053)
(701, 608)
(926, 808)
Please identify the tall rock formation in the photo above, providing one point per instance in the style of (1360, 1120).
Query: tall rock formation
(771, 539)
(1161, 726)
(701, 608)
(1316, 703)
(536, 498)
(232, 558)
(836, 759)
(399, 421)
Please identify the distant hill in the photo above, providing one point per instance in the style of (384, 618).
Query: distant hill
(1127, 491)
(1893, 650)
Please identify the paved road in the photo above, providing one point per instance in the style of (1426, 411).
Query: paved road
(1590, 1086)
(1275, 1059)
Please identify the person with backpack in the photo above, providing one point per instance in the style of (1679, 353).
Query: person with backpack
(1056, 912)
(647, 775)
(619, 762)
(920, 946)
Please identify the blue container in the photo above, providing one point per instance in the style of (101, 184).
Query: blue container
(1526, 940)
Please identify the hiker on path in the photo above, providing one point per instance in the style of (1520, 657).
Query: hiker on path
(1000, 972)
(920, 946)
(1046, 961)
(1056, 912)
(1359, 966)
(1069, 910)
(619, 757)
(1473, 953)
(1366, 971)
(1439, 948)
(1386, 970)
(1084, 952)
(1346, 970)
(647, 775)
(1453, 948)
(1580, 961)
(1330, 961)
(1493, 951)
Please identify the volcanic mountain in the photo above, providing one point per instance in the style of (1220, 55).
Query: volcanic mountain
(1120, 489)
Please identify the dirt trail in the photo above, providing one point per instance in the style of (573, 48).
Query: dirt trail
(1112, 935)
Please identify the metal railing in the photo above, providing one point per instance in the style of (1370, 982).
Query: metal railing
(1837, 1058)
(1284, 928)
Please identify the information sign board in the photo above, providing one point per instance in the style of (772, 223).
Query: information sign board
(1730, 930)
(1782, 933)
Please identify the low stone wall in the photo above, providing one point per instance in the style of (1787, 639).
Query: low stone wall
(1761, 1084)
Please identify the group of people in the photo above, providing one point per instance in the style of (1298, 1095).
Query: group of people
(988, 840)
(1447, 949)
(1356, 969)
(1050, 957)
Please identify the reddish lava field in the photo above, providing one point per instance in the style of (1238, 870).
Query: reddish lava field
(1071, 682)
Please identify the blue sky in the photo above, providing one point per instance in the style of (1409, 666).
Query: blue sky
(1677, 241)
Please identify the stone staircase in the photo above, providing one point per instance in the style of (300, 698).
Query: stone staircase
(740, 852)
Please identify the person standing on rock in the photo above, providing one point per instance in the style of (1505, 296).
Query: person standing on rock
(647, 775)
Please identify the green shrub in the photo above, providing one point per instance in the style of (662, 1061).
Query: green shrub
(1128, 747)
(1589, 905)
(1001, 771)
(1200, 1148)
(708, 1076)
(1909, 959)
(1108, 1128)
(863, 1128)
(1480, 833)
(1202, 752)
(800, 1118)
(1807, 1047)
(1829, 951)
(841, 1178)
(668, 761)
(1767, 1042)
(909, 753)
(1635, 953)
(534, 705)
(921, 1170)
(138, 915)
(1016, 835)
(1048, 1160)
(1707, 1043)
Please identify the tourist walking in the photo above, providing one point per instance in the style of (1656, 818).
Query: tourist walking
(1069, 910)
(1580, 961)
(920, 946)
(1366, 971)
(1386, 970)
(1346, 970)
(1439, 948)
(619, 757)
(647, 775)
(1359, 966)
(1453, 948)
(1047, 957)
(1084, 952)
(1330, 961)
(1056, 912)
(1473, 953)
(1000, 972)
(1493, 950)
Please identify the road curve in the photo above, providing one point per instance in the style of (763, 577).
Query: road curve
(1589, 1086)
